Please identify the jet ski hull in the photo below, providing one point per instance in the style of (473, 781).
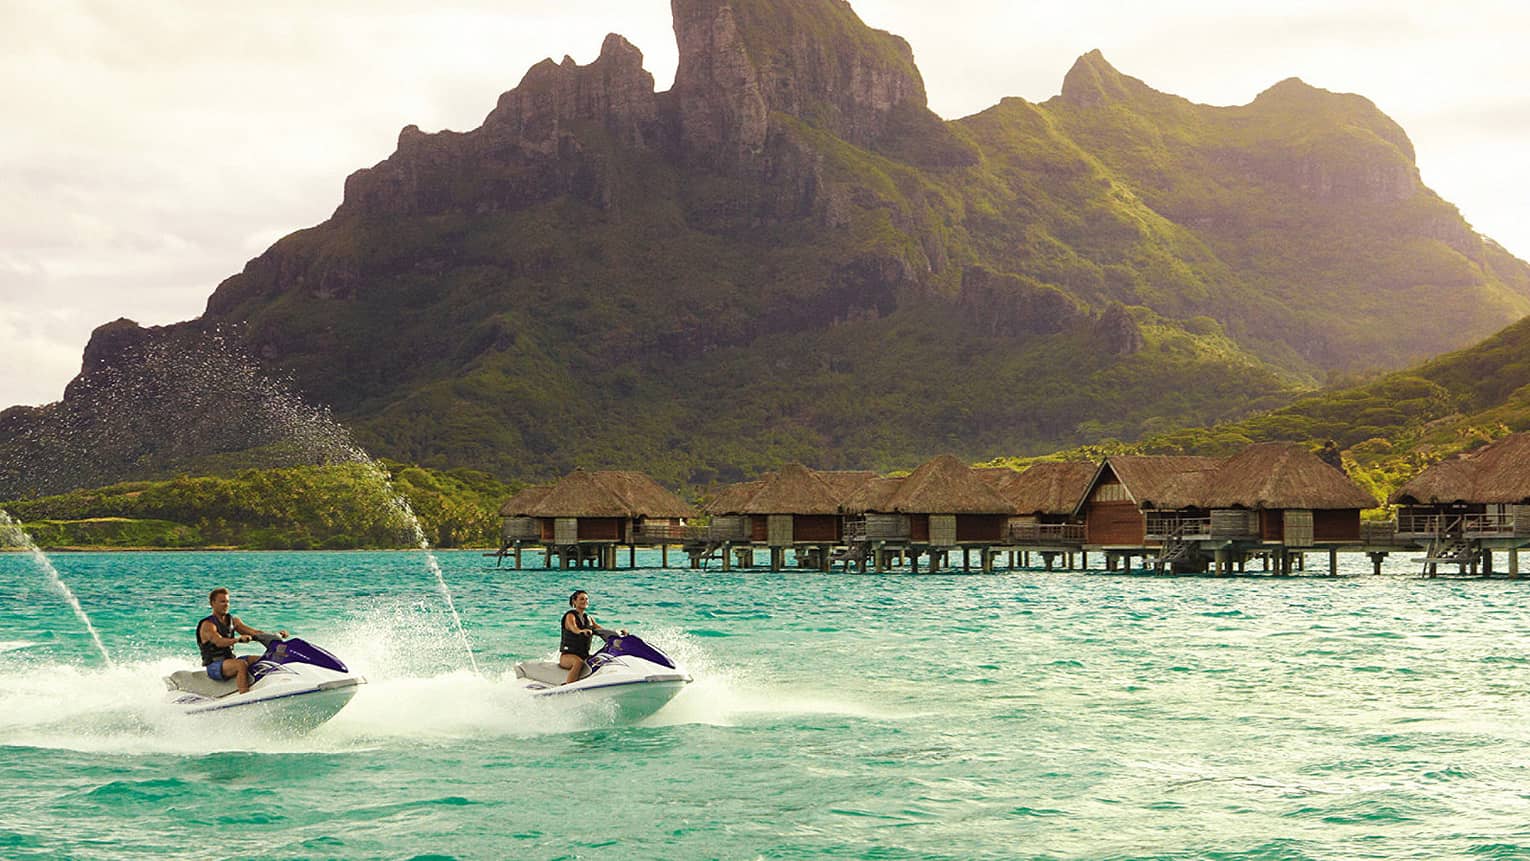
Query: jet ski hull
(297, 687)
(288, 711)
(632, 699)
(628, 678)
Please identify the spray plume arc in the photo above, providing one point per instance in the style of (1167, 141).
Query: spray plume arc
(11, 533)
(207, 397)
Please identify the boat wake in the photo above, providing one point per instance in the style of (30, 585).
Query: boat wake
(417, 693)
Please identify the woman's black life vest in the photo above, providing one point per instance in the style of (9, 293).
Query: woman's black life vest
(211, 652)
(572, 643)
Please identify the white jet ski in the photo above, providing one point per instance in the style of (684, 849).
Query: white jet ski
(294, 687)
(631, 675)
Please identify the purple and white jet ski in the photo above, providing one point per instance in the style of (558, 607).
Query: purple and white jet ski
(632, 675)
(294, 687)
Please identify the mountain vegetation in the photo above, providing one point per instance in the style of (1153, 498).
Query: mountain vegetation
(340, 507)
(787, 256)
(1388, 429)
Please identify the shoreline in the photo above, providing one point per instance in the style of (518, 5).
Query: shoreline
(228, 549)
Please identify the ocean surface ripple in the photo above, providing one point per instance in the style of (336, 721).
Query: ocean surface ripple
(1023, 715)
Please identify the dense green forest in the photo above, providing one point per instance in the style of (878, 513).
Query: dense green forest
(346, 506)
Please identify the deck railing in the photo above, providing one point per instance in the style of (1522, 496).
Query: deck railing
(667, 532)
(716, 533)
(1046, 534)
(1381, 533)
(1484, 525)
(1191, 527)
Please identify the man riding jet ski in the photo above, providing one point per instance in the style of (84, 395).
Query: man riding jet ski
(294, 685)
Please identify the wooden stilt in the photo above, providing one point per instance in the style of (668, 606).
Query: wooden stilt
(1514, 563)
(1333, 562)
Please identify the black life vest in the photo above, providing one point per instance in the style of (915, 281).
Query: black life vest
(572, 643)
(211, 652)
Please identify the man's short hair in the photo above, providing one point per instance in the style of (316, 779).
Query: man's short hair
(213, 595)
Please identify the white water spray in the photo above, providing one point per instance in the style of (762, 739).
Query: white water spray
(418, 533)
(211, 398)
(12, 533)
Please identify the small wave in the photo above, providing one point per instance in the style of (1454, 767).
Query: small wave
(15, 645)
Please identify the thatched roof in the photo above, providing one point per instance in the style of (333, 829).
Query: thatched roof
(1498, 473)
(1043, 488)
(945, 485)
(1279, 475)
(609, 493)
(1169, 481)
(846, 482)
(521, 503)
(795, 489)
(874, 495)
(731, 498)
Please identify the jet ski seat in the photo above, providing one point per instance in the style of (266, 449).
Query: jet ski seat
(546, 672)
(197, 682)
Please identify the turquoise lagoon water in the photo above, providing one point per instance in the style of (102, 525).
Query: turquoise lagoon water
(1018, 715)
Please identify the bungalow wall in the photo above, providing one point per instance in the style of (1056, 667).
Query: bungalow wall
(521, 529)
(919, 528)
(1115, 523)
(1272, 525)
(1336, 524)
(809, 528)
(981, 528)
(601, 528)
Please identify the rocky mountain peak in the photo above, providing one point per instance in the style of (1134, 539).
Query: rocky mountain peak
(1094, 81)
(614, 90)
(742, 60)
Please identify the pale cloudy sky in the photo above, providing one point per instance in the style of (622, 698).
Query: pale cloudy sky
(151, 147)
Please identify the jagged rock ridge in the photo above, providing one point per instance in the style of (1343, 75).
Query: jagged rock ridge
(788, 256)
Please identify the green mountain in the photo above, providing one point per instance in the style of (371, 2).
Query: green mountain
(788, 256)
(1389, 429)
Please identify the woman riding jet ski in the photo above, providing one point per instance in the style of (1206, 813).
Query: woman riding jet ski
(632, 675)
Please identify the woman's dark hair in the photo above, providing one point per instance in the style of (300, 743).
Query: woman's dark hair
(577, 593)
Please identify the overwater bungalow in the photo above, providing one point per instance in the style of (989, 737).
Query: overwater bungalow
(942, 505)
(793, 508)
(1465, 507)
(1123, 492)
(1273, 499)
(586, 516)
(1045, 495)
